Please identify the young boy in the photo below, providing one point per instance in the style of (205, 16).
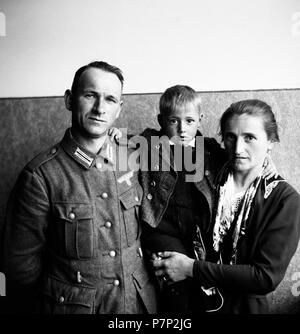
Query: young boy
(173, 207)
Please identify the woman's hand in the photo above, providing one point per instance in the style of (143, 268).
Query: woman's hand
(114, 134)
(172, 266)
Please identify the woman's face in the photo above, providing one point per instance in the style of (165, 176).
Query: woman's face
(246, 142)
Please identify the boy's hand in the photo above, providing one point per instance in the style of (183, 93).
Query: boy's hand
(114, 134)
(270, 169)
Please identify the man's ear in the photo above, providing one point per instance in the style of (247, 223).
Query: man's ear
(160, 120)
(68, 99)
(121, 107)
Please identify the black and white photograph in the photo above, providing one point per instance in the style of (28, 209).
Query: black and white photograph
(150, 154)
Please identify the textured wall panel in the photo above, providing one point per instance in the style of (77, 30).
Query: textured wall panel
(32, 124)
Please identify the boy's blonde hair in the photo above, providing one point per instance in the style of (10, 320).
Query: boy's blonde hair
(177, 96)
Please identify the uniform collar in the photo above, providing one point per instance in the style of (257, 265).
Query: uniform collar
(85, 157)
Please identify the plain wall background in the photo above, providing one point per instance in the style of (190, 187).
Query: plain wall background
(207, 44)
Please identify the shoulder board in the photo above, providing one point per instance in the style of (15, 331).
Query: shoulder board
(128, 141)
(149, 132)
(43, 157)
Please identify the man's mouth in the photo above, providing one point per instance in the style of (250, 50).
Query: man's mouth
(94, 119)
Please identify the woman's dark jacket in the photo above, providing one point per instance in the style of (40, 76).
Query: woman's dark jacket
(263, 252)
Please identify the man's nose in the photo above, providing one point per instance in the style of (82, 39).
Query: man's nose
(99, 106)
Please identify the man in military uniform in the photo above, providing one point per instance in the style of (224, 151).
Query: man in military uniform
(72, 234)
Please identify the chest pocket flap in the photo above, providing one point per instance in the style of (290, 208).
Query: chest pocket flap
(131, 197)
(68, 298)
(74, 230)
(73, 211)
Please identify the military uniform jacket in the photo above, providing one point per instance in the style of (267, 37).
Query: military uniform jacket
(73, 231)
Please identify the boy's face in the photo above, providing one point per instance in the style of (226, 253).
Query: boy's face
(181, 125)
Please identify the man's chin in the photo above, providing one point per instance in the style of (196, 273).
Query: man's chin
(96, 132)
(93, 133)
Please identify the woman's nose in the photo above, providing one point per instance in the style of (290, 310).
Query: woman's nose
(239, 146)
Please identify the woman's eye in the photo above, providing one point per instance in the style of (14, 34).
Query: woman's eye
(249, 138)
(230, 137)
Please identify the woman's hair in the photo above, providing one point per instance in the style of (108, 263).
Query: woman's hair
(252, 107)
(178, 96)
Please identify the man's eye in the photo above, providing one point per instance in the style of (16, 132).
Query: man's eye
(173, 121)
(89, 95)
(111, 99)
(190, 121)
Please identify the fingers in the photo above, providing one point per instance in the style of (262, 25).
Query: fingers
(155, 256)
(158, 263)
(166, 254)
(160, 273)
(114, 134)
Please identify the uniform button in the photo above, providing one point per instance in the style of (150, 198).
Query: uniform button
(153, 183)
(116, 282)
(207, 172)
(108, 224)
(157, 146)
(140, 252)
(72, 215)
(156, 167)
(53, 150)
(149, 196)
(104, 195)
(112, 253)
(98, 164)
(61, 299)
(136, 199)
(79, 277)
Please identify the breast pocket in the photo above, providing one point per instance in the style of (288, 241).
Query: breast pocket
(75, 223)
(63, 298)
(130, 203)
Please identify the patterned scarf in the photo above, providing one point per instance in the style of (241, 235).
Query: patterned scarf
(226, 216)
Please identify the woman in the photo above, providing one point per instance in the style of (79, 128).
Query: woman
(257, 221)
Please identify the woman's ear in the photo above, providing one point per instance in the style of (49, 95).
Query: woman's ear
(68, 99)
(270, 147)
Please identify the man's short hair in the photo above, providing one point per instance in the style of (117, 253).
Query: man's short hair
(96, 64)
